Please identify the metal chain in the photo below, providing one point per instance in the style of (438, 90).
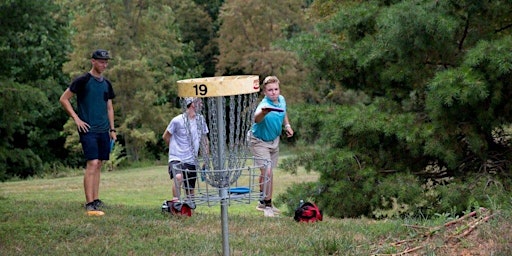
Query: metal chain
(238, 110)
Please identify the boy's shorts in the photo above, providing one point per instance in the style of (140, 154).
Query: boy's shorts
(189, 177)
(264, 150)
(95, 145)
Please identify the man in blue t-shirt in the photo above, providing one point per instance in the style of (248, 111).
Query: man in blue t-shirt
(94, 119)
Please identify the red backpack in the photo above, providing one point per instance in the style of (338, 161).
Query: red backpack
(308, 212)
(178, 208)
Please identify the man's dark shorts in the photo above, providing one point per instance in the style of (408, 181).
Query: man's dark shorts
(95, 145)
(189, 177)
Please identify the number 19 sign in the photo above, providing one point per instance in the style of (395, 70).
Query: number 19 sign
(218, 86)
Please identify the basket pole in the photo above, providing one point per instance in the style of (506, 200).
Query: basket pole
(222, 191)
(218, 87)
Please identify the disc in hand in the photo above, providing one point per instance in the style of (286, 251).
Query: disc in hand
(273, 109)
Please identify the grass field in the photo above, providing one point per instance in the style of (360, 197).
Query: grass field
(46, 217)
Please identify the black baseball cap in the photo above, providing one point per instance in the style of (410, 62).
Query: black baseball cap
(100, 54)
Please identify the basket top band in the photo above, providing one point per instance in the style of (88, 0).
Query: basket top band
(218, 86)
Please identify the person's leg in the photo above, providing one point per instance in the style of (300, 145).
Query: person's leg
(88, 183)
(175, 176)
(262, 181)
(89, 143)
(265, 203)
(97, 174)
(90, 188)
(91, 180)
(268, 188)
(266, 182)
(273, 150)
(189, 178)
(103, 141)
(176, 188)
(259, 149)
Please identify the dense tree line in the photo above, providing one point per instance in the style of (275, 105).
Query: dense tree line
(425, 88)
(415, 92)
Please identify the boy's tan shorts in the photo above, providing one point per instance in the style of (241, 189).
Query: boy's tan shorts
(264, 150)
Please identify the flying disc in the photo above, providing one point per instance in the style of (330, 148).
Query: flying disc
(239, 190)
(273, 109)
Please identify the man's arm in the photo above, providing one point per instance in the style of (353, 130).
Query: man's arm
(260, 115)
(288, 126)
(110, 109)
(167, 137)
(66, 104)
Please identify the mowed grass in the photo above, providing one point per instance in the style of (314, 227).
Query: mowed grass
(46, 217)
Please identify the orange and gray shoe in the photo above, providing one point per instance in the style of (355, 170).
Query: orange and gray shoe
(92, 210)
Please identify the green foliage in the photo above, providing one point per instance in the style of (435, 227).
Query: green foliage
(341, 177)
(414, 91)
(432, 78)
(473, 192)
(249, 36)
(371, 183)
(117, 158)
(25, 162)
(28, 126)
(33, 46)
(397, 195)
(197, 28)
(307, 191)
(468, 103)
(307, 121)
(212, 7)
(33, 42)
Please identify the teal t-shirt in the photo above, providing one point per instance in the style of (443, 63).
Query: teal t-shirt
(92, 97)
(272, 124)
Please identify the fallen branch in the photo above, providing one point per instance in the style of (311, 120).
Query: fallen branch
(471, 214)
(415, 226)
(450, 223)
(410, 250)
(401, 253)
(473, 226)
(404, 241)
(466, 226)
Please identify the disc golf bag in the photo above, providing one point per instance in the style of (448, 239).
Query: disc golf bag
(179, 208)
(307, 212)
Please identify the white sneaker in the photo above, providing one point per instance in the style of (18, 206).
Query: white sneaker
(261, 207)
(268, 212)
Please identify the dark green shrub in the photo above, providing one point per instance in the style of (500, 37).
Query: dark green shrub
(307, 191)
(397, 195)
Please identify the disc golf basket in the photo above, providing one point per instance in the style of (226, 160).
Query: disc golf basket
(226, 172)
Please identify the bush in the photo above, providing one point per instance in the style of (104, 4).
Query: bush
(397, 195)
(345, 191)
(307, 191)
(20, 163)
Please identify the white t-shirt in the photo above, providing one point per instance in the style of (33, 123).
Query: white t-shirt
(185, 132)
